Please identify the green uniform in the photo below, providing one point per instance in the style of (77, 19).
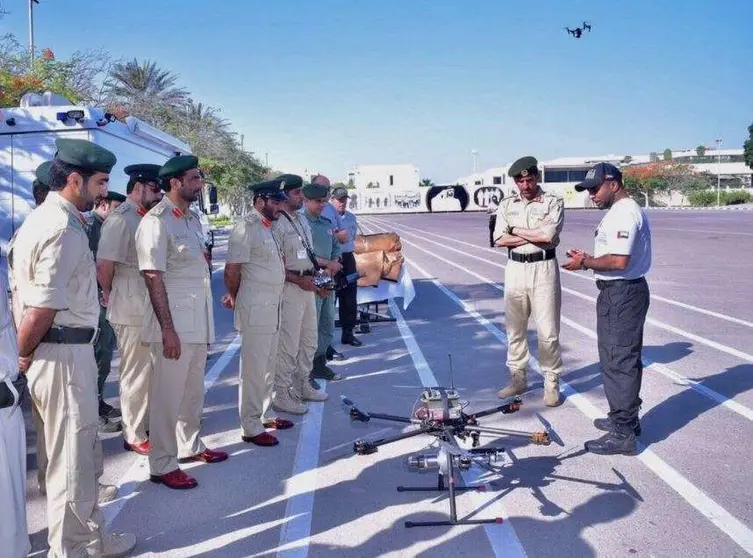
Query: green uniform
(325, 246)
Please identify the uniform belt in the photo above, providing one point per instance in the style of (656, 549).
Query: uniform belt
(304, 273)
(534, 257)
(6, 395)
(71, 335)
(602, 284)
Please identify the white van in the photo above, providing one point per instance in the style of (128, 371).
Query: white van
(27, 139)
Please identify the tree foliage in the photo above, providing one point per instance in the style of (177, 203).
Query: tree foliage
(651, 179)
(748, 147)
(141, 89)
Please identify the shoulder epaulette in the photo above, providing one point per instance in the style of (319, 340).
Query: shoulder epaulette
(158, 209)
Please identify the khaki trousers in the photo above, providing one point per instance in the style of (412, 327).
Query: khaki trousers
(135, 375)
(177, 393)
(257, 374)
(63, 387)
(298, 336)
(533, 289)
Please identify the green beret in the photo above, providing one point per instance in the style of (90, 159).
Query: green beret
(523, 167)
(43, 173)
(144, 172)
(315, 191)
(114, 196)
(340, 193)
(270, 189)
(85, 154)
(290, 181)
(178, 165)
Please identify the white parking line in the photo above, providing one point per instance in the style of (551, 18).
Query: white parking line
(665, 371)
(716, 514)
(502, 537)
(590, 278)
(676, 330)
(301, 487)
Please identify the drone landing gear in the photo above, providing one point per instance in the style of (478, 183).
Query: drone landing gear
(452, 489)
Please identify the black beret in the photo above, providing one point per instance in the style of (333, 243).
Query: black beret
(523, 167)
(315, 191)
(290, 181)
(85, 154)
(43, 173)
(145, 172)
(270, 189)
(178, 165)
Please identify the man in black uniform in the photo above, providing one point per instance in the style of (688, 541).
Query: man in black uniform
(622, 258)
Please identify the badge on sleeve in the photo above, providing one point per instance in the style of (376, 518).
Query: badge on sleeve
(623, 234)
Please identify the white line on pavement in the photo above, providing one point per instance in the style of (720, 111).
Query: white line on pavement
(720, 517)
(676, 330)
(665, 371)
(690, 307)
(301, 487)
(502, 537)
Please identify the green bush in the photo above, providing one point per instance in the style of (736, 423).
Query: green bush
(219, 220)
(707, 198)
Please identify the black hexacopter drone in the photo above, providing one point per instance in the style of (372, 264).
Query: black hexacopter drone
(578, 31)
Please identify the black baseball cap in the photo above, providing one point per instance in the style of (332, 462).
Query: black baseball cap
(597, 175)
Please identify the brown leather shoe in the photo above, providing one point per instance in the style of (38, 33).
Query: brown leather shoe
(142, 448)
(263, 439)
(207, 456)
(176, 479)
(279, 424)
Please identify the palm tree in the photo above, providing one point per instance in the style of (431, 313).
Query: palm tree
(142, 87)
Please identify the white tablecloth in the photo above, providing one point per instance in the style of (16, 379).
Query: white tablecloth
(387, 290)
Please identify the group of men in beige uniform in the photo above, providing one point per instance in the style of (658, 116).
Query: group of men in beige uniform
(155, 280)
(269, 275)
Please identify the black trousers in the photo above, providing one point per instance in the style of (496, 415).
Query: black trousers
(621, 314)
(347, 297)
(492, 224)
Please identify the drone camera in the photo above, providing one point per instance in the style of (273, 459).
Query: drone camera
(462, 462)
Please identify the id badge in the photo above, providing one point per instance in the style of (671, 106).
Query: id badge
(301, 254)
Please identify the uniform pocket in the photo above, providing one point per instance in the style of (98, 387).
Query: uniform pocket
(627, 315)
(264, 313)
(183, 311)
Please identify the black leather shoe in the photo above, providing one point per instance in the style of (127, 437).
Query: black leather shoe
(332, 354)
(352, 340)
(607, 425)
(613, 443)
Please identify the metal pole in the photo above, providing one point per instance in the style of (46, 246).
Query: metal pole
(31, 33)
(718, 172)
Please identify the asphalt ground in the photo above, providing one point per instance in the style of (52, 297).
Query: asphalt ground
(686, 493)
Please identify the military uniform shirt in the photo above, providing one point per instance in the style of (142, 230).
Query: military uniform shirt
(625, 231)
(291, 245)
(117, 243)
(329, 212)
(252, 244)
(545, 211)
(325, 244)
(172, 242)
(349, 224)
(52, 265)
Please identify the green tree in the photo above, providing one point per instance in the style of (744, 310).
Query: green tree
(748, 147)
(700, 150)
(426, 183)
(667, 154)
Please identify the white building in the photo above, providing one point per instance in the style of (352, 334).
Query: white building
(560, 175)
(385, 188)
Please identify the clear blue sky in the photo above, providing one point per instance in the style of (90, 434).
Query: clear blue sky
(329, 84)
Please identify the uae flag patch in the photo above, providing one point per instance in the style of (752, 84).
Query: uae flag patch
(623, 234)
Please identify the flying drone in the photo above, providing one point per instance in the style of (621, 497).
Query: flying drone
(578, 31)
(439, 413)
